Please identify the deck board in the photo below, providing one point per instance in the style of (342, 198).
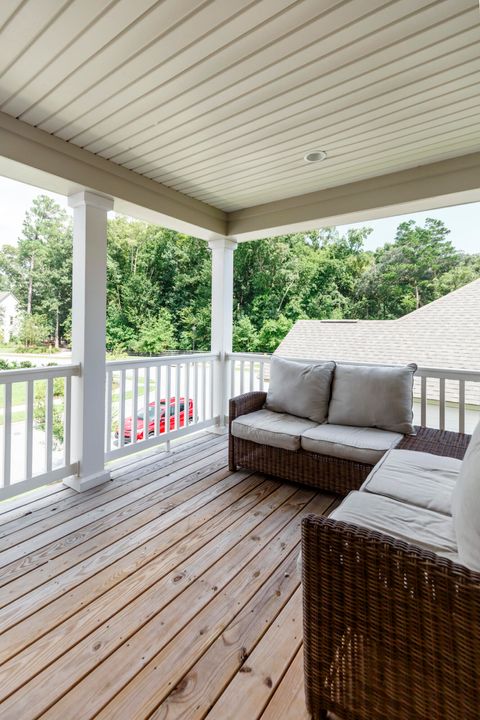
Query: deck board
(170, 593)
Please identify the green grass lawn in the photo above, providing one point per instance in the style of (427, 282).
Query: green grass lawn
(19, 398)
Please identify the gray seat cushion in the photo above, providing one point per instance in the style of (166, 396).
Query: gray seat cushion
(366, 445)
(301, 389)
(271, 428)
(373, 396)
(423, 528)
(417, 478)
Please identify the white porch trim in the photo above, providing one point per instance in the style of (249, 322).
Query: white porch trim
(88, 337)
(222, 319)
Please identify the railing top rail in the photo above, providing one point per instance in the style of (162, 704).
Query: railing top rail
(159, 360)
(430, 372)
(38, 373)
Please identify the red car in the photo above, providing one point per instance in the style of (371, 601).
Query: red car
(127, 430)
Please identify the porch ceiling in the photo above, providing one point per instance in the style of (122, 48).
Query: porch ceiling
(221, 100)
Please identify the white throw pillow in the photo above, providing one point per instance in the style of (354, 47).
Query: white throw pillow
(373, 396)
(301, 389)
(466, 505)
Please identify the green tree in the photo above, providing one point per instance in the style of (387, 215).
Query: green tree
(34, 330)
(272, 333)
(159, 281)
(245, 336)
(406, 274)
(156, 335)
(151, 269)
(39, 269)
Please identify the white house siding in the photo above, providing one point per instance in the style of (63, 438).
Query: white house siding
(8, 316)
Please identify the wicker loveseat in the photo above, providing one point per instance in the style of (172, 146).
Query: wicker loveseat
(325, 472)
(391, 628)
(331, 444)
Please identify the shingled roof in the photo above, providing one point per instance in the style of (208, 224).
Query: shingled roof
(443, 334)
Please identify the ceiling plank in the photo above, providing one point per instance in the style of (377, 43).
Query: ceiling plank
(69, 169)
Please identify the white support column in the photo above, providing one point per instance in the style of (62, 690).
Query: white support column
(88, 337)
(222, 317)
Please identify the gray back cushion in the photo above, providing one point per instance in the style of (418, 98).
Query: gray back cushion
(301, 389)
(466, 505)
(373, 396)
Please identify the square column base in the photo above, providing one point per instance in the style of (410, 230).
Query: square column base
(218, 430)
(80, 484)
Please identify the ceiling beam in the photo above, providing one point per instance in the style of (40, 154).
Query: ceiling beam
(35, 157)
(449, 182)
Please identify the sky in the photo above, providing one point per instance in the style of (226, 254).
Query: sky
(462, 220)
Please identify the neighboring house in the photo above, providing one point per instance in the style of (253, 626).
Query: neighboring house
(8, 315)
(443, 334)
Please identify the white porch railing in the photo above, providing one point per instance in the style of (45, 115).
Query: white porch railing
(35, 411)
(156, 400)
(443, 398)
(149, 402)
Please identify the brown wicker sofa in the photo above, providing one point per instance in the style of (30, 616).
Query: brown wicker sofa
(391, 631)
(323, 424)
(324, 472)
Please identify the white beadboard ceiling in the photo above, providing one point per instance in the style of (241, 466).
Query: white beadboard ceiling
(220, 99)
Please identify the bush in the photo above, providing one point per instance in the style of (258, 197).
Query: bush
(12, 365)
(39, 407)
(272, 333)
(34, 329)
(245, 338)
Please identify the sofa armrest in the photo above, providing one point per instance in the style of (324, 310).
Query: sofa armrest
(241, 405)
(390, 630)
(246, 403)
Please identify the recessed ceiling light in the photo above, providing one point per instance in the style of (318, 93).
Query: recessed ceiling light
(315, 156)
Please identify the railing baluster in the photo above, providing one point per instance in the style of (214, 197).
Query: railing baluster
(67, 419)
(158, 383)
(122, 390)
(186, 414)
(441, 408)
(262, 372)
(204, 390)
(7, 435)
(461, 406)
(177, 396)
(212, 387)
(134, 428)
(108, 419)
(242, 377)
(251, 375)
(423, 401)
(49, 424)
(167, 402)
(146, 403)
(233, 363)
(195, 392)
(29, 430)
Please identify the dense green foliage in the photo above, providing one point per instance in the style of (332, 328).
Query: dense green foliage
(38, 270)
(158, 285)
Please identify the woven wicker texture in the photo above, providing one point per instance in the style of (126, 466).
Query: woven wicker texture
(320, 471)
(391, 632)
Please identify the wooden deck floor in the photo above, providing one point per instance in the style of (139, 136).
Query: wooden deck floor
(172, 592)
